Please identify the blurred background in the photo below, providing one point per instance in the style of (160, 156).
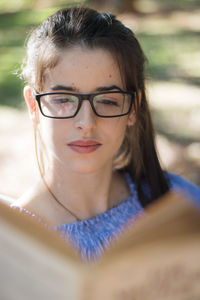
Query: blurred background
(169, 32)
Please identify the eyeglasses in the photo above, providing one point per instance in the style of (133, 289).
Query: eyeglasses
(61, 105)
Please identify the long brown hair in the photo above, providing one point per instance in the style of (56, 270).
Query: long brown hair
(91, 29)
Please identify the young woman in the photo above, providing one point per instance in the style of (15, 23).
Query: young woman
(93, 132)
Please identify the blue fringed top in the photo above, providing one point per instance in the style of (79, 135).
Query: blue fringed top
(90, 237)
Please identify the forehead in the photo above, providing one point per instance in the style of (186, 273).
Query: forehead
(85, 69)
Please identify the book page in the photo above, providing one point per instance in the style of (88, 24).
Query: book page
(35, 263)
(158, 258)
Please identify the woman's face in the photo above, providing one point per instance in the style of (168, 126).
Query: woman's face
(85, 143)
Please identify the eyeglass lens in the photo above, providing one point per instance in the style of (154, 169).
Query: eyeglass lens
(66, 105)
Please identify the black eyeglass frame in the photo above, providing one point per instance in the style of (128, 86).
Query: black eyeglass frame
(88, 97)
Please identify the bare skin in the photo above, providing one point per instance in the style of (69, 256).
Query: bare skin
(39, 201)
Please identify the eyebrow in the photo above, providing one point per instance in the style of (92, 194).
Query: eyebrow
(63, 87)
(73, 89)
(108, 88)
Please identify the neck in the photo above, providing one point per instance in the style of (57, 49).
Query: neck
(85, 195)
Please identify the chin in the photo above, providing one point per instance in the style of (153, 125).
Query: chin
(85, 167)
(86, 164)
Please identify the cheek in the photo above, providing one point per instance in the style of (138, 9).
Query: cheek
(117, 133)
(51, 133)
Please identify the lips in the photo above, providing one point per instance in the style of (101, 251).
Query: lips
(84, 146)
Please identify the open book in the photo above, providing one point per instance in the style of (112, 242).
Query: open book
(158, 257)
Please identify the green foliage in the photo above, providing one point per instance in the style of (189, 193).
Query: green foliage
(15, 5)
(170, 55)
(8, 6)
(14, 28)
(10, 84)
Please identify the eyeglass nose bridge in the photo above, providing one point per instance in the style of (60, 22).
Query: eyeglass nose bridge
(87, 97)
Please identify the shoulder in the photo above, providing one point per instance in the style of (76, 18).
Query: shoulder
(38, 203)
(31, 202)
(180, 184)
(8, 200)
(26, 199)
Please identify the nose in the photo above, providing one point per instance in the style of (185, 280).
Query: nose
(85, 120)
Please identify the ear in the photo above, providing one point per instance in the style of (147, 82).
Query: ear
(132, 115)
(31, 103)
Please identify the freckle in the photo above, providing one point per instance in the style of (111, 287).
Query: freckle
(110, 75)
(86, 67)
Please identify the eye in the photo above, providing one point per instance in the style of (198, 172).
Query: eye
(108, 102)
(62, 100)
